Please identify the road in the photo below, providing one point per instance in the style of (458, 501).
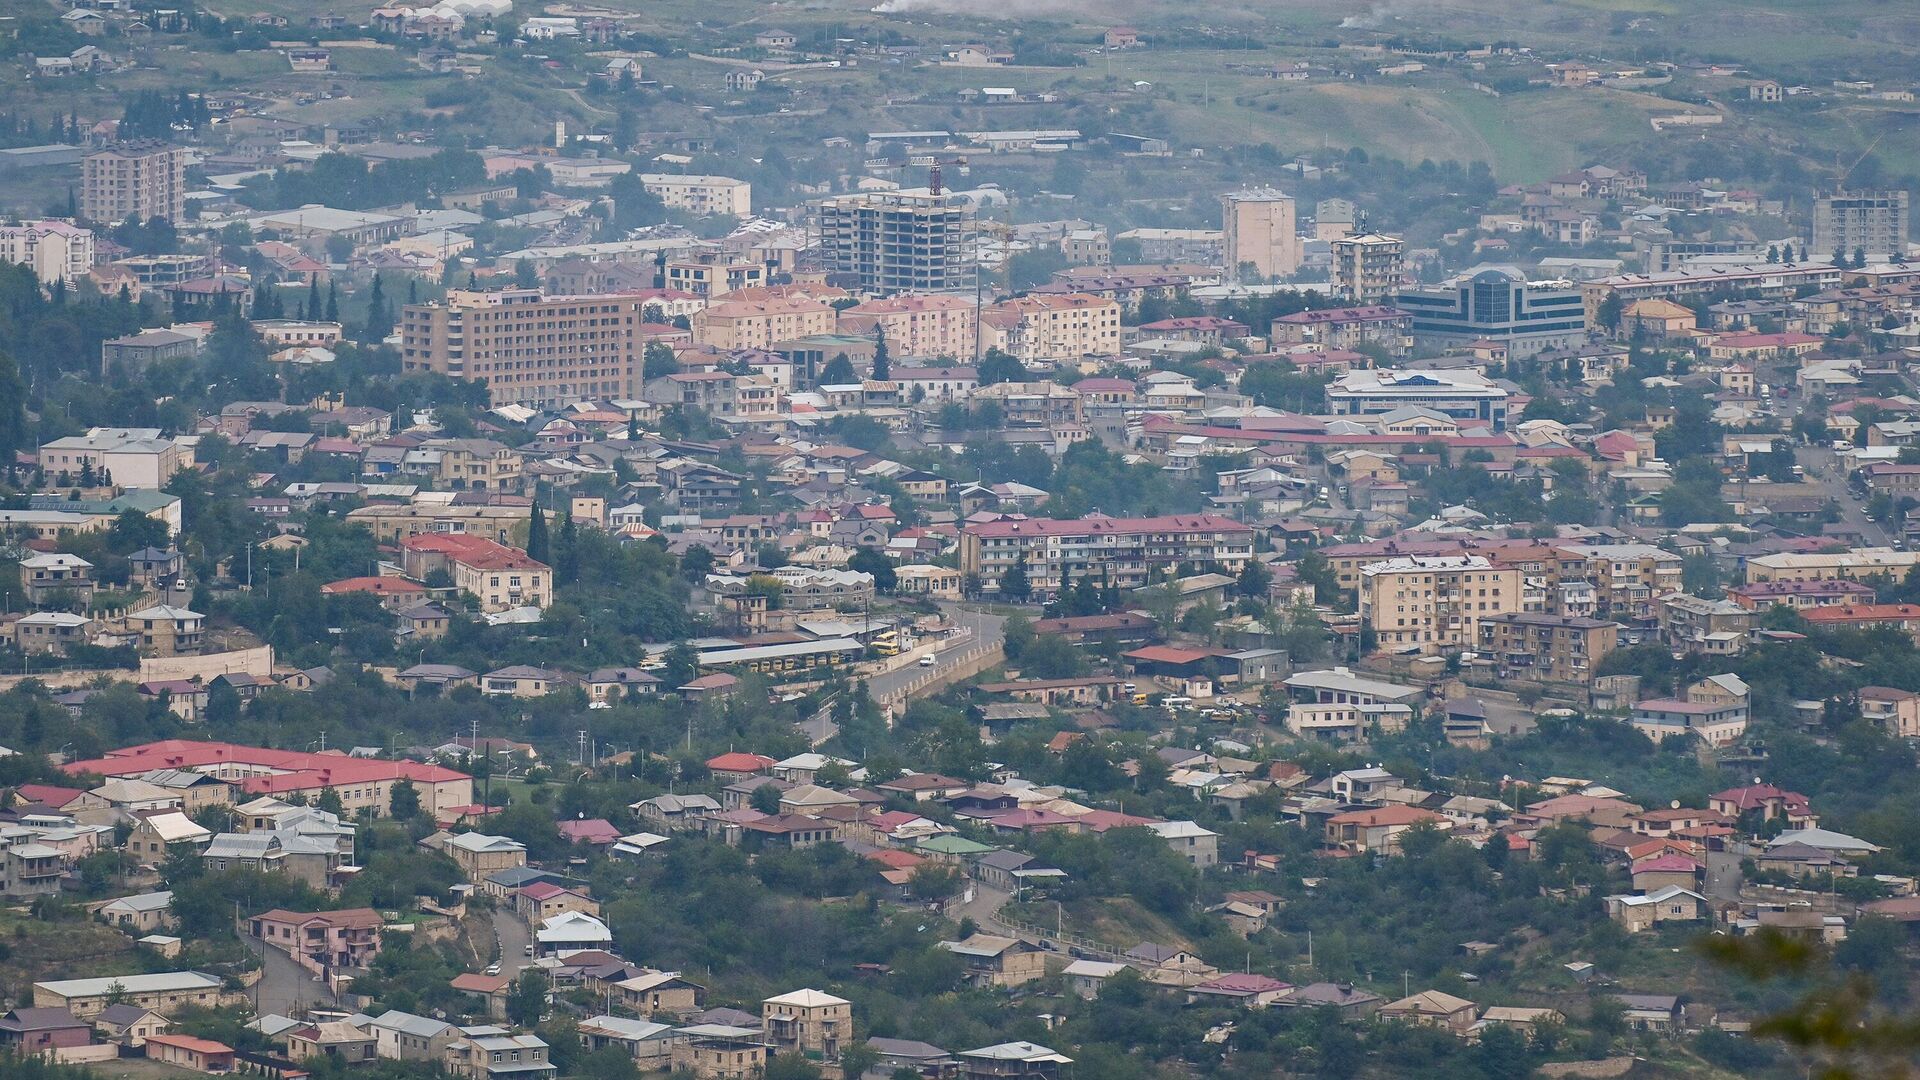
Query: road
(1723, 875)
(285, 987)
(1824, 467)
(513, 934)
(984, 628)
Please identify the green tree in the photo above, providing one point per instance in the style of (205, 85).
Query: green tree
(1014, 584)
(658, 361)
(538, 547)
(839, 372)
(403, 802)
(999, 367)
(882, 361)
(527, 1001)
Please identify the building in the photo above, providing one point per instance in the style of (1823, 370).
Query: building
(1199, 846)
(1627, 579)
(487, 1053)
(1547, 648)
(404, 1036)
(719, 1052)
(917, 326)
(1873, 222)
(1701, 625)
(1496, 303)
(126, 457)
(530, 349)
(1043, 329)
(1121, 552)
(480, 855)
(898, 241)
(1898, 711)
(134, 180)
(1466, 396)
(1336, 705)
(165, 630)
(190, 1053)
(1367, 267)
(501, 577)
(701, 195)
(321, 940)
(1435, 601)
(53, 250)
(807, 1022)
(1431, 1008)
(162, 992)
(135, 353)
(1258, 232)
(1714, 281)
(1859, 564)
(1377, 326)
(731, 325)
(998, 961)
(360, 782)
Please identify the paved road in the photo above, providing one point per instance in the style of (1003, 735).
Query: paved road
(1826, 468)
(285, 987)
(985, 628)
(1723, 875)
(513, 934)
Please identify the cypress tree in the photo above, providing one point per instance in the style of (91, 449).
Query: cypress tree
(537, 547)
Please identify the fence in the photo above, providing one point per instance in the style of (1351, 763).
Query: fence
(966, 664)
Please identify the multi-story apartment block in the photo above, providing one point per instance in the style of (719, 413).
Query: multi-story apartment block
(759, 324)
(712, 274)
(1347, 328)
(1872, 222)
(1800, 595)
(529, 348)
(1701, 625)
(1628, 578)
(53, 250)
(898, 241)
(1045, 329)
(701, 194)
(808, 1022)
(1496, 303)
(500, 576)
(1763, 281)
(1367, 267)
(1860, 564)
(142, 180)
(918, 326)
(1435, 601)
(1898, 711)
(126, 457)
(1258, 231)
(1125, 552)
(1547, 648)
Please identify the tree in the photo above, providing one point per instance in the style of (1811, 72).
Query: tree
(790, 1067)
(658, 361)
(1254, 580)
(839, 372)
(681, 665)
(527, 1001)
(333, 302)
(1014, 584)
(403, 802)
(998, 367)
(766, 799)
(538, 548)
(1609, 312)
(524, 275)
(882, 362)
(868, 561)
(329, 801)
(696, 563)
(379, 314)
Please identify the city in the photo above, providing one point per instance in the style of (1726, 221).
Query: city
(841, 542)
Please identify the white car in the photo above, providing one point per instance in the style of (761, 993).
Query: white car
(928, 660)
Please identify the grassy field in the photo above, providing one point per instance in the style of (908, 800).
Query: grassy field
(37, 950)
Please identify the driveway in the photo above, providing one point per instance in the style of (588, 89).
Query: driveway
(285, 987)
(513, 934)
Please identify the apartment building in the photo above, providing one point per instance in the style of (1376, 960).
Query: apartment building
(1800, 595)
(145, 179)
(529, 348)
(127, 457)
(1898, 711)
(701, 194)
(1367, 267)
(898, 241)
(1347, 328)
(758, 324)
(501, 577)
(917, 326)
(1125, 552)
(1044, 329)
(1627, 579)
(1258, 231)
(1873, 222)
(1714, 627)
(391, 524)
(1860, 564)
(1539, 647)
(1435, 601)
(53, 250)
(1335, 705)
(808, 1022)
(1761, 281)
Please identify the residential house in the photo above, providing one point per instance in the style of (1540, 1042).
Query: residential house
(992, 961)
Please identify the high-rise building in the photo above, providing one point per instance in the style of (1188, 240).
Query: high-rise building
(1436, 600)
(146, 179)
(1367, 267)
(53, 250)
(897, 241)
(1258, 224)
(1874, 222)
(1496, 303)
(529, 348)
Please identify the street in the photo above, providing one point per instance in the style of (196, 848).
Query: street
(1827, 469)
(984, 627)
(285, 987)
(514, 935)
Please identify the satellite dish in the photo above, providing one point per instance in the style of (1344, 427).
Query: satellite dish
(1675, 804)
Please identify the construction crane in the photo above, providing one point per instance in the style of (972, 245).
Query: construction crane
(934, 186)
(1840, 175)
